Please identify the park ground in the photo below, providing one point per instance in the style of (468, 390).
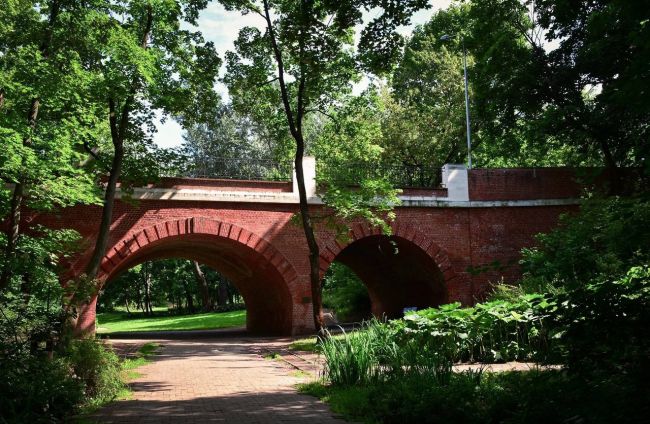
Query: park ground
(218, 380)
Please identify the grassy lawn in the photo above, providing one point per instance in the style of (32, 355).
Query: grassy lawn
(110, 322)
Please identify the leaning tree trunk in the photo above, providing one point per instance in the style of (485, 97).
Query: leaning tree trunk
(118, 127)
(204, 289)
(295, 121)
(189, 299)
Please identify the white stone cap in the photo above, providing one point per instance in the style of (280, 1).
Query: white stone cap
(454, 177)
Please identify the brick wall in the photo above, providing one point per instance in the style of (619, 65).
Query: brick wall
(522, 184)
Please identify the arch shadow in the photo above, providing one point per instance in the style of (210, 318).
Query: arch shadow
(402, 270)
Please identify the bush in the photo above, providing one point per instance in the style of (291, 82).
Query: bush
(603, 241)
(489, 332)
(373, 353)
(481, 397)
(606, 324)
(98, 367)
(35, 389)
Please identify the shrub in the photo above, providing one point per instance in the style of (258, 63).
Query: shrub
(351, 359)
(603, 241)
(481, 397)
(36, 389)
(98, 367)
(373, 353)
(606, 324)
(488, 332)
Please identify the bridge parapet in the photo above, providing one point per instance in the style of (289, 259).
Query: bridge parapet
(460, 188)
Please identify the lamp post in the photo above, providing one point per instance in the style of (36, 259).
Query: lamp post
(447, 37)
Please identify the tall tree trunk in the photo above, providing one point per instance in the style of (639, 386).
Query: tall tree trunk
(189, 299)
(295, 128)
(101, 243)
(615, 180)
(13, 231)
(222, 291)
(204, 289)
(138, 298)
(147, 289)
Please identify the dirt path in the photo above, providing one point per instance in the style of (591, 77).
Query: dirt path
(223, 380)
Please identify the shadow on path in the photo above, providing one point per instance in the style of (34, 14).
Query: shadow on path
(215, 379)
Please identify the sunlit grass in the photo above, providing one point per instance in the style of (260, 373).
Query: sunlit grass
(110, 322)
(309, 344)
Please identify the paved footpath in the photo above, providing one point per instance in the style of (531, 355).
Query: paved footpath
(223, 380)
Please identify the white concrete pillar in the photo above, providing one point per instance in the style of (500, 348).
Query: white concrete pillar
(454, 177)
(309, 171)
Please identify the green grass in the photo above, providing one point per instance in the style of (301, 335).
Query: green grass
(310, 344)
(111, 322)
(272, 356)
(142, 357)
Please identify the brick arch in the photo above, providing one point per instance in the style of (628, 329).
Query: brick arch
(418, 254)
(264, 277)
(201, 226)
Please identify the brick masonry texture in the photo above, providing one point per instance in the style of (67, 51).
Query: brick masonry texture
(266, 256)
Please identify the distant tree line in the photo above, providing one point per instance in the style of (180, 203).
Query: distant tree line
(179, 285)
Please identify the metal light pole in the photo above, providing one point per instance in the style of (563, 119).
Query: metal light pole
(467, 118)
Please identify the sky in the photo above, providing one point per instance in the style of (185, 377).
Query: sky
(222, 27)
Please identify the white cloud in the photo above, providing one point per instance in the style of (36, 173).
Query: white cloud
(222, 28)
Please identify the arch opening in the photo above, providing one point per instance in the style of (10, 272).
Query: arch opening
(263, 287)
(397, 273)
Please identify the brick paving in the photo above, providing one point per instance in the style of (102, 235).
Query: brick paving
(215, 381)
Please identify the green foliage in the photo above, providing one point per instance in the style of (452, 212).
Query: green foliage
(601, 242)
(35, 389)
(171, 284)
(482, 397)
(401, 371)
(345, 294)
(492, 331)
(607, 325)
(424, 120)
(98, 368)
(350, 360)
(352, 170)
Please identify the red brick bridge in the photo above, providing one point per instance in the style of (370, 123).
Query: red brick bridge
(479, 218)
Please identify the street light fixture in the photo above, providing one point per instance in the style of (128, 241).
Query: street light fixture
(448, 37)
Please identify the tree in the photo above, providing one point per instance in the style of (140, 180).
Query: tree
(147, 62)
(583, 98)
(604, 45)
(230, 144)
(204, 288)
(44, 116)
(305, 58)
